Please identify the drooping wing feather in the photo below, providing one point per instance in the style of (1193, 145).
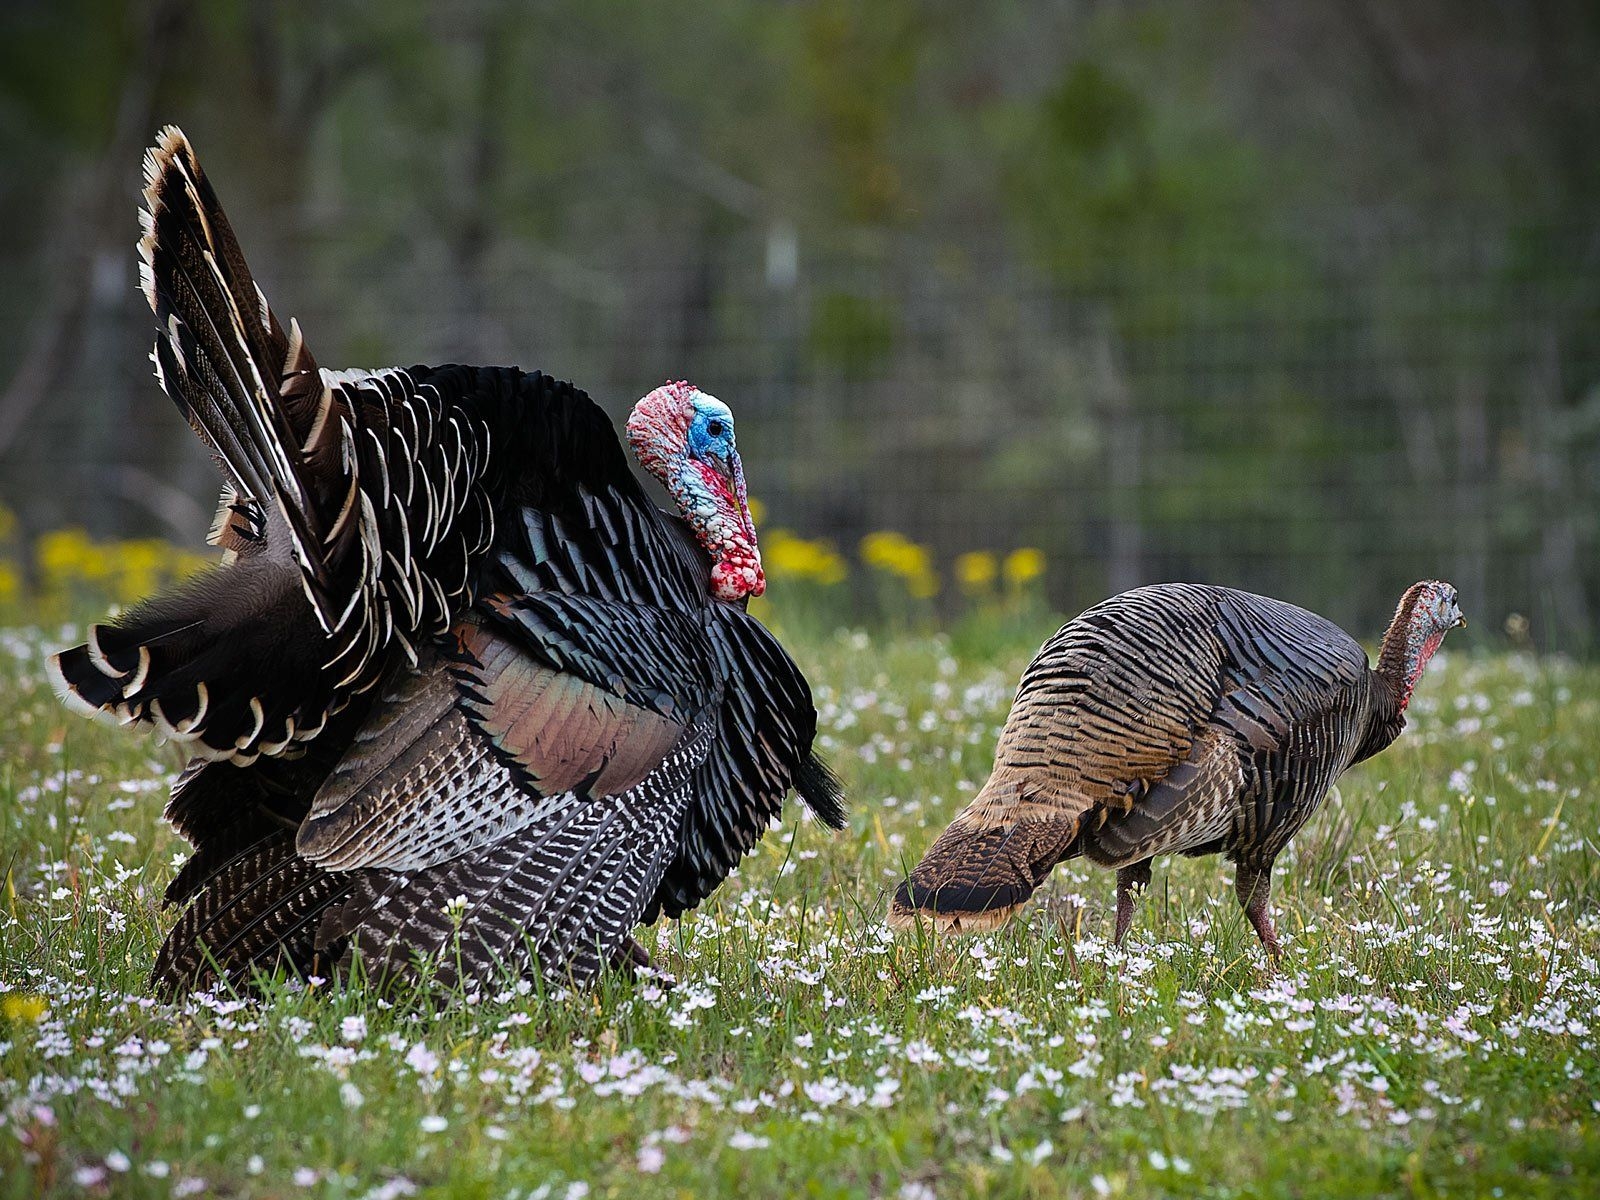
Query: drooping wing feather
(474, 745)
(562, 892)
(257, 911)
(556, 730)
(764, 723)
(418, 786)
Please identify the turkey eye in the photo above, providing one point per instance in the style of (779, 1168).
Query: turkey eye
(714, 428)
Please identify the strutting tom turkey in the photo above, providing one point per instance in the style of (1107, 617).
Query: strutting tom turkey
(459, 693)
(1173, 719)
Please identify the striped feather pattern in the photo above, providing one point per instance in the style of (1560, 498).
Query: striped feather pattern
(561, 894)
(257, 914)
(1176, 718)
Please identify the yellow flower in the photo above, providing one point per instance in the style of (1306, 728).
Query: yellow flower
(125, 571)
(785, 555)
(758, 510)
(23, 1006)
(10, 582)
(897, 554)
(62, 555)
(1023, 566)
(976, 570)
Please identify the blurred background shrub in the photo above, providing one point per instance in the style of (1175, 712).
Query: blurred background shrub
(1304, 298)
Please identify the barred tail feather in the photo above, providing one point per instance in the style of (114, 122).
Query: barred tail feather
(219, 664)
(251, 390)
(234, 664)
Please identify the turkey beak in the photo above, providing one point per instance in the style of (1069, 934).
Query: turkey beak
(733, 471)
(727, 465)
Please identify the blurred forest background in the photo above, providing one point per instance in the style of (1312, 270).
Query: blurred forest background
(1299, 297)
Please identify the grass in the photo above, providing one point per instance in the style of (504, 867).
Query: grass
(1431, 1032)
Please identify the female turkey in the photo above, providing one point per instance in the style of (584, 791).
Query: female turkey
(460, 692)
(1173, 719)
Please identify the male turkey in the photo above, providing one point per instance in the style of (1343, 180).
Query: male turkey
(460, 692)
(1173, 719)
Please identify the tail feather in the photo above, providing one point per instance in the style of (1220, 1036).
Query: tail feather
(349, 565)
(231, 664)
(223, 356)
(220, 664)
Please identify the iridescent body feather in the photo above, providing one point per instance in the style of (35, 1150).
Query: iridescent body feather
(460, 695)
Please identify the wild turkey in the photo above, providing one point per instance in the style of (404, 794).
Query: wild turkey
(460, 692)
(1173, 719)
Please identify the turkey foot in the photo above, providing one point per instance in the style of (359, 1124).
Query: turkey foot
(634, 961)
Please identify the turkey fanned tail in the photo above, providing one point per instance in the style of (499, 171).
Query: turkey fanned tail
(355, 505)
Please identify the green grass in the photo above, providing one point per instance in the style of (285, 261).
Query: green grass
(1431, 1033)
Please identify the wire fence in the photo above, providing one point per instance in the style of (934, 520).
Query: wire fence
(1325, 413)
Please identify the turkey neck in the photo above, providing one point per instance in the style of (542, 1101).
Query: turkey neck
(1392, 680)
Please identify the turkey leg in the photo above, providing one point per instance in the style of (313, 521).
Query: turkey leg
(1131, 883)
(1253, 885)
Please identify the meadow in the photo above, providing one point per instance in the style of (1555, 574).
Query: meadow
(1431, 1030)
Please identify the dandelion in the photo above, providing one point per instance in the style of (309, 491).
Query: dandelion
(1023, 566)
(976, 571)
(895, 554)
(786, 556)
(434, 1123)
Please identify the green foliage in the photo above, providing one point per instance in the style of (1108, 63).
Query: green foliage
(853, 334)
